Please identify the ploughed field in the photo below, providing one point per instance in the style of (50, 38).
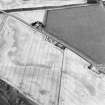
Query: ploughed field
(81, 28)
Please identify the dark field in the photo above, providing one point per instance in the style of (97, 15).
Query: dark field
(82, 28)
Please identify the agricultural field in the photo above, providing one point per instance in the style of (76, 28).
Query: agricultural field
(35, 71)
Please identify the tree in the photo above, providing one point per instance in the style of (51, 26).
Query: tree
(92, 1)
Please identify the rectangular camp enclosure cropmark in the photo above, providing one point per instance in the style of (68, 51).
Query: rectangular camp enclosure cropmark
(80, 27)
